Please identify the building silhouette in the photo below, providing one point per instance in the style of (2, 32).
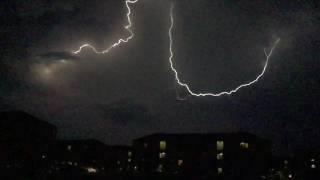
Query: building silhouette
(225, 155)
(24, 143)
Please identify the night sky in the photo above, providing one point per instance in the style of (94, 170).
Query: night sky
(131, 91)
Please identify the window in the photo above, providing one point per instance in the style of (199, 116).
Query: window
(163, 145)
(160, 168)
(69, 147)
(220, 170)
(162, 155)
(244, 145)
(220, 156)
(180, 162)
(91, 170)
(220, 145)
(129, 153)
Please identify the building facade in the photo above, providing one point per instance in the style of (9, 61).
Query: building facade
(229, 155)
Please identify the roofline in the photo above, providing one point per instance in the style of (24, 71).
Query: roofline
(198, 134)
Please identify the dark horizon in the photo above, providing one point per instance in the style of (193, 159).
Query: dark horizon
(18, 117)
(30, 148)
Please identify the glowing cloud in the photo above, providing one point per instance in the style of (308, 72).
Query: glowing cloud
(191, 92)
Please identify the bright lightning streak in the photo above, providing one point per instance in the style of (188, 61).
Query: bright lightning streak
(127, 27)
(268, 55)
(185, 85)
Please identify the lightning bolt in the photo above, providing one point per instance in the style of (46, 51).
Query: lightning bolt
(191, 92)
(120, 41)
(185, 85)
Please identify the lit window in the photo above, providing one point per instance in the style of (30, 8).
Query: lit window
(220, 170)
(163, 145)
(313, 166)
(162, 155)
(312, 160)
(290, 176)
(244, 145)
(129, 160)
(91, 170)
(219, 156)
(180, 162)
(69, 147)
(220, 145)
(118, 162)
(160, 168)
(129, 153)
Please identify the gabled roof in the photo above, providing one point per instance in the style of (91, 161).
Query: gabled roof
(19, 125)
(11, 117)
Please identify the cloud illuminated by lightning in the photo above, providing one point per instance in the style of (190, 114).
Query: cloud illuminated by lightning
(191, 92)
(127, 27)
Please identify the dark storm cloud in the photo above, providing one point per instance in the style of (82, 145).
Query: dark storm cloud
(217, 45)
(126, 112)
(58, 56)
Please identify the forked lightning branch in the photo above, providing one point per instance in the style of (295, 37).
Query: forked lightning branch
(171, 57)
